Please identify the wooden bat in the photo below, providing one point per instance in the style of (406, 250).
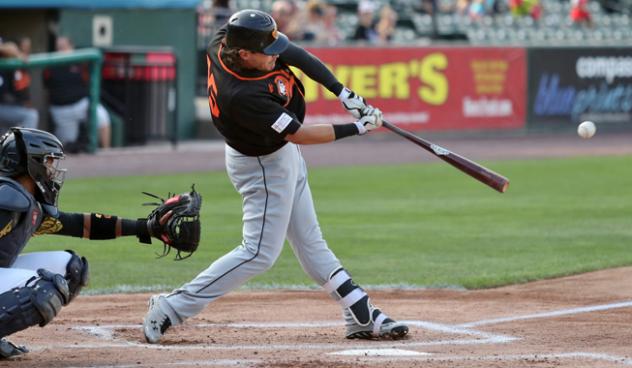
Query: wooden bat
(478, 172)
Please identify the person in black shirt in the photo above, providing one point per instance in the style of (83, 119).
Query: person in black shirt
(365, 29)
(257, 104)
(68, 94)
(15, 109)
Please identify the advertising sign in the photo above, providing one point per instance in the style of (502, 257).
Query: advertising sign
(427, 88)
(570, 85)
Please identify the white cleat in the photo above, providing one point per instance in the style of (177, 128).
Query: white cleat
(156, 321)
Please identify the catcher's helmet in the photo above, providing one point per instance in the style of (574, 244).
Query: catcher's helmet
(35, 153)
(255, 30)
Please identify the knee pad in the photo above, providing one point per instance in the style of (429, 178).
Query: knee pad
(77, 273)
(37, 303)
(349, 295)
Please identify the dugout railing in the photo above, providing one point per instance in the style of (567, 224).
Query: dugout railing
(91, 56)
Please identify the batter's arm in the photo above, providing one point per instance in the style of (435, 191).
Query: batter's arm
(312, 134)
(323, 133)
(312, 66)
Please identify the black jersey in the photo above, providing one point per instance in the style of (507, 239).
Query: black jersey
(67, 84)
(253, 110)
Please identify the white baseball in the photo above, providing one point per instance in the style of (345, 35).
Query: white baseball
(586, 129)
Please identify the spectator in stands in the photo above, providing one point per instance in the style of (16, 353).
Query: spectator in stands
(212, 14)
(319, 25)
(463, 7)
(428, 6)
(286, 16)
(221, 11)
(69, 101)
(23, 80)
(385, 26)
(579, 13)
(365, 30)
(331, 33)
(15, 107)
(314, 21)
(522, 8)
(477, 9)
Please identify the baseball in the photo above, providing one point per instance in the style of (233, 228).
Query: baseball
(586, 129)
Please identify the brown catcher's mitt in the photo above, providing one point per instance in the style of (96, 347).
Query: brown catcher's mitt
(176, 221)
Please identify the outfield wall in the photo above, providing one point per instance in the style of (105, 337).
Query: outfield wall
(575, 84)
(481, 88)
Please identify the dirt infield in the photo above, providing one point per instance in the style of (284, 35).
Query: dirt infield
(578, 321)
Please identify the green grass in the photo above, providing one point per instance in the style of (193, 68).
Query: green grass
(408, 225)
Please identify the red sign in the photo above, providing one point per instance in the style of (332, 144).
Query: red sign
(426, 88)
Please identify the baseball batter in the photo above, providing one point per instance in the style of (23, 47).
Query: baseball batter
(35, 286)
(257, 104)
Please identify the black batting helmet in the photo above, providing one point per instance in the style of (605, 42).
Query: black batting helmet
(35, 153)
(255, 30)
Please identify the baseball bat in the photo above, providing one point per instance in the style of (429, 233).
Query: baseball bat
(478, 172)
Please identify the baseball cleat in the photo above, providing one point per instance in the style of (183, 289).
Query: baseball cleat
(9, 350)
(156, 321)
(380, 327)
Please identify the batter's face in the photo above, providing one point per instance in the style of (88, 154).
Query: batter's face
(258, 61)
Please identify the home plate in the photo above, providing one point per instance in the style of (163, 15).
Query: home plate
(379, 352)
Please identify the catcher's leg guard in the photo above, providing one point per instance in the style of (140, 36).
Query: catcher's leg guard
(363, 320)
(37, 303)
(77, 272)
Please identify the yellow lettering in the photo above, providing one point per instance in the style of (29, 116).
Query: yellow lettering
(489, 77)
(363, 81)
(434, 88)
(394, 81)
(6, 229)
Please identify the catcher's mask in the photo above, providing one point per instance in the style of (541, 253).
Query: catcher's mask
(35, 153)
(256, 31)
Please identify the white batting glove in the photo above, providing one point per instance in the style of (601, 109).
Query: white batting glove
(371, 119)
(353, 103)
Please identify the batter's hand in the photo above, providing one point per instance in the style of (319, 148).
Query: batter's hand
(352, 102)
(371, 119)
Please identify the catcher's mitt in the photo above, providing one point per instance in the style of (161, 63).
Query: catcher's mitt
(176, 221)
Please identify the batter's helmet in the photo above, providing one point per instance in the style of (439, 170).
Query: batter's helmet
(35, 153)
(255, 30)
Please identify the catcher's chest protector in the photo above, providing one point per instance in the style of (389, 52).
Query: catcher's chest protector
(12, 243)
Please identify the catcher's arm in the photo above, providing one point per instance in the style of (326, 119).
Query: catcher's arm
(94, 226)
(175, 223)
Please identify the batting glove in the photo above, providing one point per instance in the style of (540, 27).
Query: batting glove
(371, 119)
(353, 103)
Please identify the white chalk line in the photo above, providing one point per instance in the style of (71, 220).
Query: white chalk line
(562, 312)
(106, 332)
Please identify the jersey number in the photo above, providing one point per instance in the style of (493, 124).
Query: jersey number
(212, 95)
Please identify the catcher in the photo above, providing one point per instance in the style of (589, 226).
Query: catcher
(35, 286)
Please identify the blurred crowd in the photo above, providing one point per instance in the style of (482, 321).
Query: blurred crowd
(316, 21)
(375, 22)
